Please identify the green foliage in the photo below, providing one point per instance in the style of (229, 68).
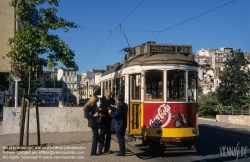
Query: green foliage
(34, 40)
(235, 79)
(200, 91)
(246, 102)
(206, 66)
(207, 105)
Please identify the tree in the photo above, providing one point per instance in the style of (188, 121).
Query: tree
(235, 80)
(34, 40)
(207, 105)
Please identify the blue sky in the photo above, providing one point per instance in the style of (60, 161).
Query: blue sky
(201, 23)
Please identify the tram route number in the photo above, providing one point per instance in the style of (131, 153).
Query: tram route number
(182, 49)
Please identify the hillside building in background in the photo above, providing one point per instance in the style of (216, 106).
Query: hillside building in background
(90, 83)
(209, 79)
(70, 83)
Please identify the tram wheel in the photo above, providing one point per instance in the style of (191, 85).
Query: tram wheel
(144, 142)
(155, 146)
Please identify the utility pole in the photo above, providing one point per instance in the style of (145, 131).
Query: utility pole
(87, 89)
(67, 95)
(16, 79)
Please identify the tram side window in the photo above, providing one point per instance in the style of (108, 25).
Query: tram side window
(117, 86)
(120, 86)
(176, 85)
(113, 87)
(154, 80)
(192, 86)
(136, 86)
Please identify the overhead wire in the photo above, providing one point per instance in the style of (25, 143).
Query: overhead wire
(145, 31)
(111, 33)
(94, 28)
(160, 32)
(192, 18)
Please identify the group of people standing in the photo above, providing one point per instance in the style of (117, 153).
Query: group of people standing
(106, 115)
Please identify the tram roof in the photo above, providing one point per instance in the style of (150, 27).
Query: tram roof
(154, 59)
(150, 53)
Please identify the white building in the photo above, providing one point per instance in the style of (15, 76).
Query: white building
(97, 76)
(70, 83)
(203, 52)
(90, 82)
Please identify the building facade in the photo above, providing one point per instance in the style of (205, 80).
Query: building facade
(203, 56)
(7, 28)
(209, 80)
(90, 83)
(70, 83)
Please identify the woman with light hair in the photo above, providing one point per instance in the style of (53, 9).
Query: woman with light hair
(91, 113)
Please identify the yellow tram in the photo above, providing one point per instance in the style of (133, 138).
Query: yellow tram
(159, 83)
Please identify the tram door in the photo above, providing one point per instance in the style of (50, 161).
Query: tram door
(135, 118)
(135, 107)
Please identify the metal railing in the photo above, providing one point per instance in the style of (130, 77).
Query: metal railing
(234, 112)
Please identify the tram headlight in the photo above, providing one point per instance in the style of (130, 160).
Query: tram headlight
(158, 131)
(177, 123)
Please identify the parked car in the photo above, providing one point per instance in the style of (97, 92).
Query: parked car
(81, 102)
(50, 101)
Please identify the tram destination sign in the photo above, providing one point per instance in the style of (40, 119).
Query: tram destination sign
(171, 49)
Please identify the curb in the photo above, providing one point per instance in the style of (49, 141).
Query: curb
(224, 130)
(209, 119)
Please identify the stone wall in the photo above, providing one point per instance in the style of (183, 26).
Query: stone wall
(234, 119)
(52, 119)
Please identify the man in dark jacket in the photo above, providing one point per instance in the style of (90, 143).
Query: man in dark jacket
(105, 125)
(120, 116)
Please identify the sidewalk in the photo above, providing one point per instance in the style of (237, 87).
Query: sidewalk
(73, 147)
(225, 127)
(76, 145)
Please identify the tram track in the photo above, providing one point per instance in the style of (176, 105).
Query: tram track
(148, 154)
(207, 148)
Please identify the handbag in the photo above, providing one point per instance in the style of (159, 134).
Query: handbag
(99, 118)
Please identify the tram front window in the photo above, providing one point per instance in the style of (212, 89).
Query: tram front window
(192, 86)
(176, 85)
(154, 85)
